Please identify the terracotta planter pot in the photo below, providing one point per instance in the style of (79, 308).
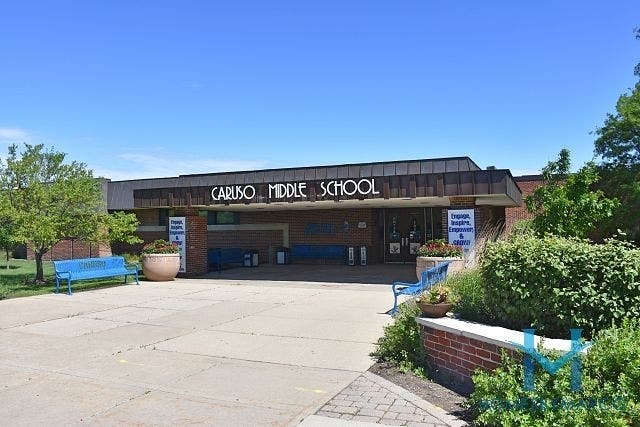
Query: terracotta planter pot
(434, 310)
(425, 262)
(160, 267)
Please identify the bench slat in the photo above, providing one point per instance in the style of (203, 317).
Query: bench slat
(92, 268)
(318, 251)
(219, 256)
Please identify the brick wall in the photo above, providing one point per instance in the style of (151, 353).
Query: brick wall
(454, 357)
(333, 226)
(265, 242)
(528, 185)
(71, 249)
(455, 348)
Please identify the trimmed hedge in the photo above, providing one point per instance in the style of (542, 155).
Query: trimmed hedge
(556, 283)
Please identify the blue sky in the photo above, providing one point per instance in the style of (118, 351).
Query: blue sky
(145, 89)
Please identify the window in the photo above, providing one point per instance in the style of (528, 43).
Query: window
(163, 216)
(218, 218)
(433, 223)
(225, 218)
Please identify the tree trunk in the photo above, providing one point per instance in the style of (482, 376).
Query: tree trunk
(39, 271)
(7, 250)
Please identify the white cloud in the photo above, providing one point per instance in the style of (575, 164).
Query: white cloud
(13, 135)
(140, 165)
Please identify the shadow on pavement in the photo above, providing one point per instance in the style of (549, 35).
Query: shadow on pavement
(382, 274)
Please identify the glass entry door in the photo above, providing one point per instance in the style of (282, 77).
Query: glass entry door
(404, 233)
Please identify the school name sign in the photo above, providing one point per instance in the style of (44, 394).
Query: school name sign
(295, 190)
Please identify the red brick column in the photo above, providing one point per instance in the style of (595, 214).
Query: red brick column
(195, 240)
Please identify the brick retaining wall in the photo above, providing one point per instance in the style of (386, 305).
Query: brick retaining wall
(456, 348)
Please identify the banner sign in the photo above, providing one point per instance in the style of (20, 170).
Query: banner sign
(462, 229)
(178, 235)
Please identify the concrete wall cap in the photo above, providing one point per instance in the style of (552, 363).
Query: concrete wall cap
(502, 337)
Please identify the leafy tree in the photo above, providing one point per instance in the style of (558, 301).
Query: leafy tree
(566, 205)
(7, 235)
(624, 184)
(618, 139)
(618, 143)
(49, 200)
(117, 227)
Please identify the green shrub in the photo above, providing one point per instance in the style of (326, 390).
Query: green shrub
(607, 397)
(400, 342)
(616, 360)
(131, 258)
(556, 283)
(468, 291)
(523, 227)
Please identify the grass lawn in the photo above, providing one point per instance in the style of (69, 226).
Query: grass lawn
(17, 281)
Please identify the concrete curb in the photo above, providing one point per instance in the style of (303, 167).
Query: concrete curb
(320, 421)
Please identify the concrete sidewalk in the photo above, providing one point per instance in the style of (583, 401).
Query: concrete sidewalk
(213, 352)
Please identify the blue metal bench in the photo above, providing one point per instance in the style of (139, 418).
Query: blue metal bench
(428, 278)
(92, 268)
(219, 256)
(318, 252)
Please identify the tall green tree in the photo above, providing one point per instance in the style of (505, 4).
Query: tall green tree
(49, 200)
(618, 144)
(566, 205)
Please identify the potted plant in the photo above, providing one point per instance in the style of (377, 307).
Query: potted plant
(436, 302)
(160, 260)
(435, 252)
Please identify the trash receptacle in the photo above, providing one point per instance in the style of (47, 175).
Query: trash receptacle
(351, 255)
(282, 256)
(363, 255)
(251, 259)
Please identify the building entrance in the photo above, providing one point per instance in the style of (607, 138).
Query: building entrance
(407, 229)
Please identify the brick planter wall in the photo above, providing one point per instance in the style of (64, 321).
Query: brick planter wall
(456, 348)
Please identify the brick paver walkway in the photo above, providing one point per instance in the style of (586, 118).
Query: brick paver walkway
(373, 399)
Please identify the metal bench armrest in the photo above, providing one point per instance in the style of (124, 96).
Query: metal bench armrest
(405, 284)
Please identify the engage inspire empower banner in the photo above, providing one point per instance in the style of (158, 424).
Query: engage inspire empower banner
(178, 235)
(462, 229)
